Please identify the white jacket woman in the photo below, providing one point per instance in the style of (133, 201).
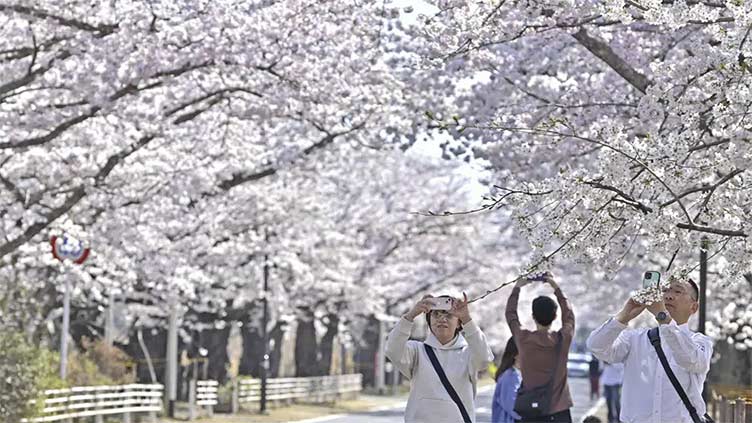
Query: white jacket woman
(460, 348)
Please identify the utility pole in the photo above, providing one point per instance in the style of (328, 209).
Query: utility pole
(66, 327)
(703, 284)
(109, 323)
(264, 324)
(171, 370)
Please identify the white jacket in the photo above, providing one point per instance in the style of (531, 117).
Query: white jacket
(461, 359)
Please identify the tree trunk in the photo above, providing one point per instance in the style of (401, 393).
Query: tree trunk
(275, 355)
(365, 351)
(306, 360)
(156, 343)
(215, 341)
(253, 351)
(327, 343)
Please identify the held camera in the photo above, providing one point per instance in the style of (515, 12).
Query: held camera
(441, 303)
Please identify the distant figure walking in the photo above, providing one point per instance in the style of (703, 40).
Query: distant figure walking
(595, 374)
(611, 379)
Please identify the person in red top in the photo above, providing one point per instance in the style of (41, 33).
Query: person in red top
(537, 348)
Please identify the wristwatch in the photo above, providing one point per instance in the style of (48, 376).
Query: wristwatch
(662, 317)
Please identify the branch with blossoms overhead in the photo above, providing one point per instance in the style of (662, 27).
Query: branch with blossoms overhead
(642, 106)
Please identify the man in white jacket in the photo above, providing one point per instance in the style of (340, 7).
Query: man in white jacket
(461, 349)
(647, 393)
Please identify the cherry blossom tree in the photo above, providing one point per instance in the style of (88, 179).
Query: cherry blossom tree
(618, 131)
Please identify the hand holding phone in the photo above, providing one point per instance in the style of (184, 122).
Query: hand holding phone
(651, 279)
(441, 303)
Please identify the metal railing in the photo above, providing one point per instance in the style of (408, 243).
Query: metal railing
(98, 401)
(308, 389)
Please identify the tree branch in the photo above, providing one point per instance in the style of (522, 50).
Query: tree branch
(707, 229)
(101, 30)
(627, 198)
(704, 188)
(240, 178)
(604, 52)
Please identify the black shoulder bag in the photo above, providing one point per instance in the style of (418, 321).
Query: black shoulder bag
(447, 385)
(536, 402)
(655, 339)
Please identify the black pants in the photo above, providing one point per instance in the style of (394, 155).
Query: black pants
(613, 401)
(560, 417)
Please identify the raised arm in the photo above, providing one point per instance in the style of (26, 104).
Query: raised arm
(567, 315)
(398, 350)
(610, 342)
(480, 352)
(691, 351)
(513, 320)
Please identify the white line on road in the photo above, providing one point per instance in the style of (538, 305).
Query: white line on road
(322, 418)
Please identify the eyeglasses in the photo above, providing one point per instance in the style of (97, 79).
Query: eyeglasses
(441, 314)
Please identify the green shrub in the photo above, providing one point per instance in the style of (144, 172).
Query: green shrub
(111, 361)
(25, 371)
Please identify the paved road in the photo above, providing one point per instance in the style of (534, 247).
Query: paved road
(579, 387)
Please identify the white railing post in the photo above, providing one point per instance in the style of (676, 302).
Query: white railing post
(192, 400)
(235, 393)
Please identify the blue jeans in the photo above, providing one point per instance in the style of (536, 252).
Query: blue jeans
(613, 401)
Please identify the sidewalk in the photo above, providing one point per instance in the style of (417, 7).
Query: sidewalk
(299, 411)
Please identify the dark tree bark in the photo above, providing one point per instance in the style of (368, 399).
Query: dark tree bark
(306, 348)
(365, 352)
(275, 354)
(156, 343)
(215, 341)
(253, 351)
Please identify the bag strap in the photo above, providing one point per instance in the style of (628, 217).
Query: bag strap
(447, 385)
(655, 339)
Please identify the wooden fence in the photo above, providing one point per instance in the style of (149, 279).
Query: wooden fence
(730, 404)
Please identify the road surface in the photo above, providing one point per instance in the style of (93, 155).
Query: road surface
(579, 387)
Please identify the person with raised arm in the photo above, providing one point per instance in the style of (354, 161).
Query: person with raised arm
(442, 369)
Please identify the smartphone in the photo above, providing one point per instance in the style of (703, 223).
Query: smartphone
(540, 277)
(441, 303)
(651, 279)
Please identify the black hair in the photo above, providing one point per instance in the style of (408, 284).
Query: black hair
(507, 358)
(428, 318)
(544, 310)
